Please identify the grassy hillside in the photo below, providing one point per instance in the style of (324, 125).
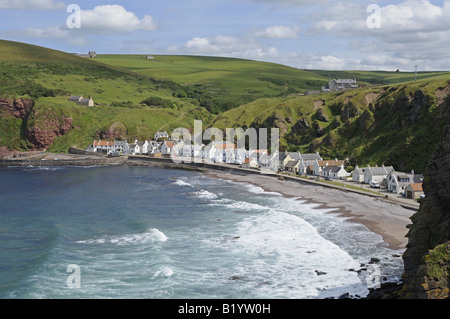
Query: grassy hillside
(396, 125)
(48, 77)
(232, 81)
(236, 81)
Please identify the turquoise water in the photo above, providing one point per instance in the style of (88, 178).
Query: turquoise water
(140, 232)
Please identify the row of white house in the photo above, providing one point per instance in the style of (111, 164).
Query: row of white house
(395, 182)
(218, 152)
(294, 162)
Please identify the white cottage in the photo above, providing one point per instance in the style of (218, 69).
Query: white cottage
(159, 135)
(336, 172)
(166, 147)
(143, 146)
(358, 174)
(134, 149)
(398, 181)
(318, 166)
(377, 174)
(250, 163)
(121, 147)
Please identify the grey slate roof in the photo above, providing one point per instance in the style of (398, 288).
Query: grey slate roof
(311, 157)
(291, 164)
(333, 169)
(381, 170)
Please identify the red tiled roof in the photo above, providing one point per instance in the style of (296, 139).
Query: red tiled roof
(331, 163)
(417, 187)
(103, 143)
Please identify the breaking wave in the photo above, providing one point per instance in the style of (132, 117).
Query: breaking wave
(151, 236)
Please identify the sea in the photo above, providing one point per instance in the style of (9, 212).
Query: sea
(154, 233)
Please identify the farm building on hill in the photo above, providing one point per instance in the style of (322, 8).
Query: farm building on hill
(340, 85)
(82, 101)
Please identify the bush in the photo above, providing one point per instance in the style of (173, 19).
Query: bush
(159, 102)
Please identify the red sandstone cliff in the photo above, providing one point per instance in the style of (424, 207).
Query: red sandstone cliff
(43, 126)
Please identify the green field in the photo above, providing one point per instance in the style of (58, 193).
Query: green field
(232, 81)
(239, 81)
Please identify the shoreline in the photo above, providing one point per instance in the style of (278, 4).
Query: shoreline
(386, 218)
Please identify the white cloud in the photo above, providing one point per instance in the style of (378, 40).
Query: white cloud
(32, 4)
(114, 19)
(279, 32)
(412, 32)
(107, 19)
(226, 46)
(54, 32)
(329, 62)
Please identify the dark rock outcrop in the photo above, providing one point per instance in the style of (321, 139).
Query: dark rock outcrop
(42, 136)
(427, 255)
(115, 131)
(19, 108)
(321, 115)
(302, 126)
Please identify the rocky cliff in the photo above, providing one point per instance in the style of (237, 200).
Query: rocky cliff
(40, 126)
(19, 108)
(427, 258)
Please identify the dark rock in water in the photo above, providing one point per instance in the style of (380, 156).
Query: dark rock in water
(388, 290)
(235, 277)
(345, 296)
(374, 260)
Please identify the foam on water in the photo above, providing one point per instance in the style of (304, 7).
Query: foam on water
(204, 194)
(283, 256)
(164, 272)
(237, 205)
(180, 182)
(151, 236)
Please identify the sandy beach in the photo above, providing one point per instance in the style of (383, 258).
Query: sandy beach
(386, 219)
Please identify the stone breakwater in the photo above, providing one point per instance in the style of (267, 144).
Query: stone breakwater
(61, 162)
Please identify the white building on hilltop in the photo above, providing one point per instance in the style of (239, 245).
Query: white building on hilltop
(340, 85)
(159, 135)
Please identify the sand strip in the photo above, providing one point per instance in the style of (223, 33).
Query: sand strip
(386, 219)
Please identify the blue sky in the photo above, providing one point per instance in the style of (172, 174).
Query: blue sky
(321, 34)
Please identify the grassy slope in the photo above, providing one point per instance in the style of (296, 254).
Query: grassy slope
(49, 77)
(243, 81)
(389, 130)
(231, 80)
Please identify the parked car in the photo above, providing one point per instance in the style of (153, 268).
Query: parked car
(328, 178)
(374, 184)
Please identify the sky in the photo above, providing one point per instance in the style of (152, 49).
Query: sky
(306, 34)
